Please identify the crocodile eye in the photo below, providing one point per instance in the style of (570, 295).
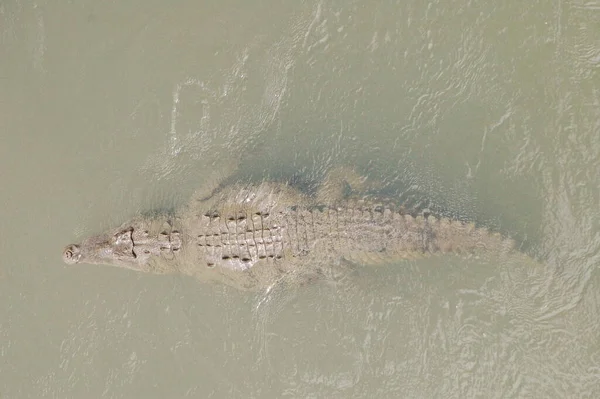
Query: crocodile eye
(124, 236)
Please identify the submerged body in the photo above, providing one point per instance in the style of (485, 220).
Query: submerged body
(250, 237)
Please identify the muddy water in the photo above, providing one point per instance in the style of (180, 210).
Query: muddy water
(486, 111)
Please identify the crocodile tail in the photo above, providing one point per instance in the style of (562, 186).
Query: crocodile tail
(418, 237)
(444, 235)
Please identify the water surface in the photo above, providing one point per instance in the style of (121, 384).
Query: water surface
(487, 111)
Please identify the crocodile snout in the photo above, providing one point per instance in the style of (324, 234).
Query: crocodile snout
(71, 254)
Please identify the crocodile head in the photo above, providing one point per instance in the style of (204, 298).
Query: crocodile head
(130, 246)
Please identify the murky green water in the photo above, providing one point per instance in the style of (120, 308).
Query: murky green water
(486, 111)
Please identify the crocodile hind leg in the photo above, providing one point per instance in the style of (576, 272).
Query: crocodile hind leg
(341, 181)
(337, 181)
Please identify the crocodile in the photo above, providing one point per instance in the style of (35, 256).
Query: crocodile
(251, 236)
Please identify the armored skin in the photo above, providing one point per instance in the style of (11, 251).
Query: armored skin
(249, 237)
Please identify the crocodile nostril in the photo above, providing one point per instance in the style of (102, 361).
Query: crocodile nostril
(71, 254)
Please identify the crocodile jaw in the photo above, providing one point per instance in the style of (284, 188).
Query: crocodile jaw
(131, 246)
(107, 249)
